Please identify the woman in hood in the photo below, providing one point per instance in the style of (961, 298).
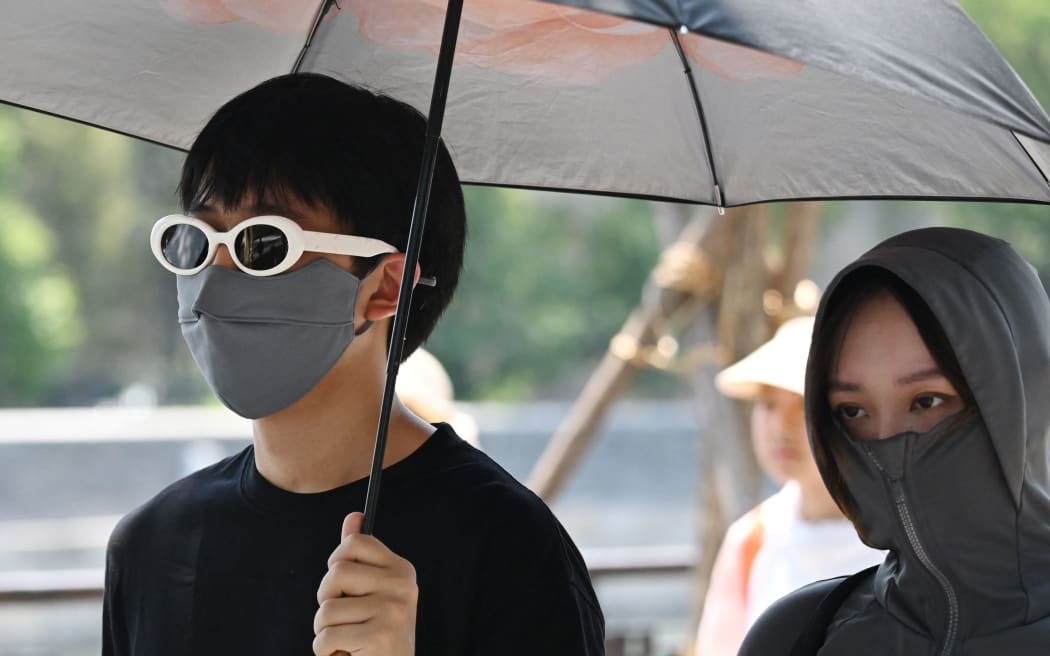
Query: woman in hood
(927, 410)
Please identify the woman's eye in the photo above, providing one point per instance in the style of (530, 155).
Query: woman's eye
(851, 412)
(926, 401)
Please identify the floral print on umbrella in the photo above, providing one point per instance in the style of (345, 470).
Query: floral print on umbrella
(560, 44)
(283, 16)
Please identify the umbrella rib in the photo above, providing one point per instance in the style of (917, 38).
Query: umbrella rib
(688, 70)
(321, 12)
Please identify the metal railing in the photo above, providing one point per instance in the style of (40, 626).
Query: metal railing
(64, 584)
(51, 585)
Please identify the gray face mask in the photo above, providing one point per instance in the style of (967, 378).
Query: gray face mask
(938, 500)
(953, 461)
(264, 342)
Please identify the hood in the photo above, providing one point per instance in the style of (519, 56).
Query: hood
(965, 508)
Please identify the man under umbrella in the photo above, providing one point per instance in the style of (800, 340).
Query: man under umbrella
(298, 195)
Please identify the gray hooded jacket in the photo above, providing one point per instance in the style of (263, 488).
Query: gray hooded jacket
(965, 508)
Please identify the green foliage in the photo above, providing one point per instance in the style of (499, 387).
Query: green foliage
(548, 280)
(39, 319)
(82, 313)
(1020, 28)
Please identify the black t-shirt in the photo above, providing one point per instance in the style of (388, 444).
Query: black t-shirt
(224, 562)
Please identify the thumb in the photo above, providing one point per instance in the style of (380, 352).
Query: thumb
(353, 524)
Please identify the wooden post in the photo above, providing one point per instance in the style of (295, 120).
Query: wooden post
(688, 273)
(757, 296)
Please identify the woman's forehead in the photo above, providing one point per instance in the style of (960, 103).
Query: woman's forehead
(881, 339)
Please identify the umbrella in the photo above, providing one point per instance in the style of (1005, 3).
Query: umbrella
(722, 102)
(848, 99)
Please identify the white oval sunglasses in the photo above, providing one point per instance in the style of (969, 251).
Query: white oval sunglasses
(259, 246)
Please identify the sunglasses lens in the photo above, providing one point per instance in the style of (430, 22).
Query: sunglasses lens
(261, 247)
(184, 246)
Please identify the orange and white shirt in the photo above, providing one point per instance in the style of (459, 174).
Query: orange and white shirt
(766, 554)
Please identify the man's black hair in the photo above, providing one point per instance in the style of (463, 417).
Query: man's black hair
(335, 146)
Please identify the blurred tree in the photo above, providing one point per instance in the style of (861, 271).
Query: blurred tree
(93, 196)
(39, 319)
(547, 282)
(1019, 28)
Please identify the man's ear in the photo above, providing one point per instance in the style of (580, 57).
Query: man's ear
(383, 301)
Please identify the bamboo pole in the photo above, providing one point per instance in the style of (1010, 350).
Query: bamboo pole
(688, 272)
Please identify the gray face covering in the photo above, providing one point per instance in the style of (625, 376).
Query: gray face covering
(938, 501)
(949, 461)
(264, 342)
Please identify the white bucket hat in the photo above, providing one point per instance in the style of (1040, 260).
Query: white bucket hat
(780, 362)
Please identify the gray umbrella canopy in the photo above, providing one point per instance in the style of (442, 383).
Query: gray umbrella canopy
(899, 98)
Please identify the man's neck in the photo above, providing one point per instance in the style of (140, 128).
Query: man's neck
(327, 438)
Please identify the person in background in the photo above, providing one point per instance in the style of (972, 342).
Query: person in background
(794, 537)
(426, 389)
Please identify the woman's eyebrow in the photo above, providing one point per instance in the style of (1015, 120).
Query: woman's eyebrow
(925, 374)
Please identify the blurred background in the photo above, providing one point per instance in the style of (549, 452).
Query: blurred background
(580, 318)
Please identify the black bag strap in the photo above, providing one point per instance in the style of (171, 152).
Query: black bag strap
(812, 636)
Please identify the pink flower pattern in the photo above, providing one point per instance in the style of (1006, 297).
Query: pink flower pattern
(536, 39)
(283, 16)
(533, 39)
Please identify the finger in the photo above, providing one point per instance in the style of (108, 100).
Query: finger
(368, 549)
(367, 638)
(339, 640)
(397, 607)
(353, 523)
(347, 578)
(350, 578)
(343, 610)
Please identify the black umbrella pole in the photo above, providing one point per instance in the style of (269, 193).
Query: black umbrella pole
(431, 146)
